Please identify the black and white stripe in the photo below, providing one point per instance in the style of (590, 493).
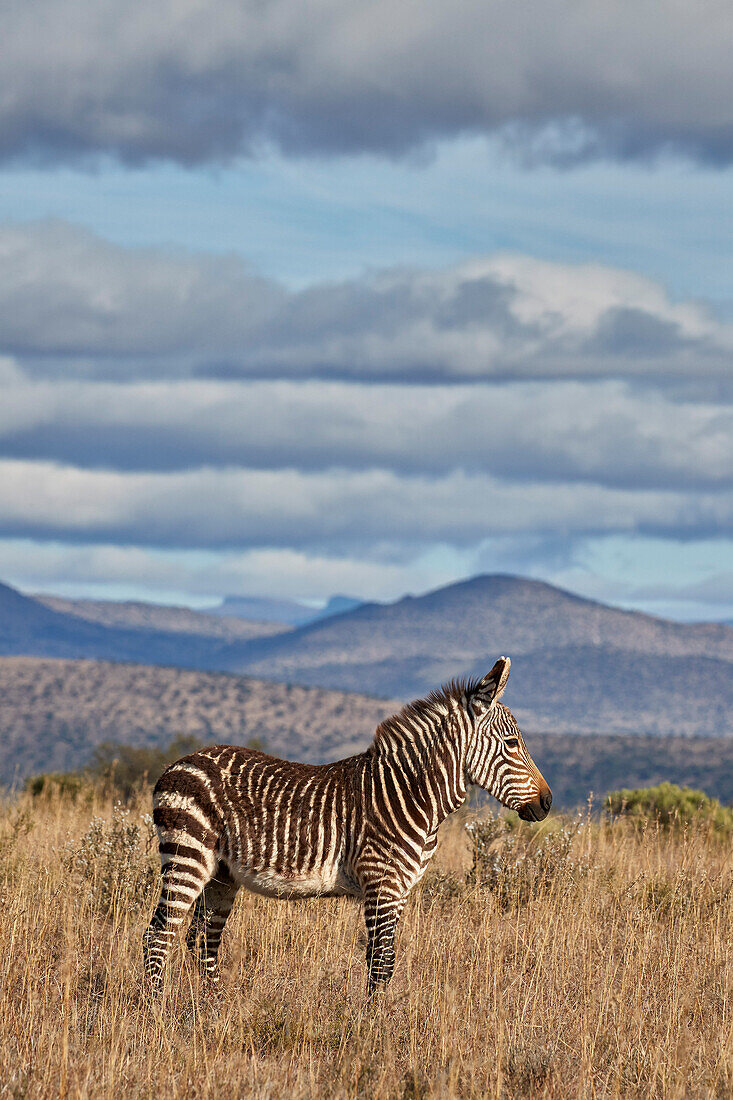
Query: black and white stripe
(366, 826)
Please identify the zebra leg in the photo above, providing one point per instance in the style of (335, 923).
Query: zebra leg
(182, 885)
(382, 911)
(210, 913)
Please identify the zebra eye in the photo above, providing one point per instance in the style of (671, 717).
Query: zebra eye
(511, 742)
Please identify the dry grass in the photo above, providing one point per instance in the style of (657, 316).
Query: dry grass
(612, 980)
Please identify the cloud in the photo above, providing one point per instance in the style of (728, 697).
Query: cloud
(116, 571)
(603, 432)
(713, 589)
(337, 509)
(533, 375)
(73, 302)
(162, 406)
(205, 82)
(65, 292)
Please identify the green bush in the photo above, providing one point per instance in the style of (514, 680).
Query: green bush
(670, 805)
(67, 785)
(117, 769)
(123, 768)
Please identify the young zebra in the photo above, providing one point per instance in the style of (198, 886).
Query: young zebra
(367, 826)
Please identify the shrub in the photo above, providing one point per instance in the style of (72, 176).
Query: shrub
(123, 768)
(670, 805)
(118, 769)
(110, 861)
(67, 785)
(515, 862)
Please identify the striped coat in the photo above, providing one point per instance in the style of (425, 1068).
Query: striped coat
(367, 826)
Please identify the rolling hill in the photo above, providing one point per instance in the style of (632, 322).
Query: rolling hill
(578, 665)
(157, 618)
(282, 611)
(54, 712)
(52, 627)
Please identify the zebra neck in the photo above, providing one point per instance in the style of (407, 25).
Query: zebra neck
(429, 773)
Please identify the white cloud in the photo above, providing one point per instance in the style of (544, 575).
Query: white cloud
(603, 432)
(73, 303)
(128, 572)
(289, 508)
(66, 292)
(349, 436)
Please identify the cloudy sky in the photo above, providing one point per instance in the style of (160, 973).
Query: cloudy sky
(367, 296)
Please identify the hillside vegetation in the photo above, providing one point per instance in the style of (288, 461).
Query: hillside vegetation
(53, 713)
(575, 765)
(566, 961)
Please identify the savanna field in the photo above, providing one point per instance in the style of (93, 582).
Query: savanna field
(578, 958)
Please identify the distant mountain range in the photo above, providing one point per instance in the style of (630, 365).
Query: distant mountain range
(282, 611)
(160, 619)
(115, 632)
(578, 665)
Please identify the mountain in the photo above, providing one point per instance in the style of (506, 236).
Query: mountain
(578, 665)
(31, 627)
(264, 609)
(135, 615)
(337, 605)
(282, 611)
(54, 712)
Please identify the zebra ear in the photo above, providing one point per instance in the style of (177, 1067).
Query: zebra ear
(492, 686)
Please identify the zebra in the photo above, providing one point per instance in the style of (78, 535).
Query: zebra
(366, 826)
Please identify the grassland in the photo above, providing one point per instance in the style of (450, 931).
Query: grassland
(604, 972)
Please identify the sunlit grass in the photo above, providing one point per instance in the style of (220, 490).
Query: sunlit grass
(610, 982)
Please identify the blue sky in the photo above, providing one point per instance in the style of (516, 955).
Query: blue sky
(308, 219)
(291, 310)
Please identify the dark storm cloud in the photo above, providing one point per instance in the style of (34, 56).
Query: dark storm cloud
(204, 82)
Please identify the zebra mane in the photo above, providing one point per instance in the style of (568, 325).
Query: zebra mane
(408, 727)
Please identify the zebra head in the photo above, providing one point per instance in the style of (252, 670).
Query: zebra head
(496, 756)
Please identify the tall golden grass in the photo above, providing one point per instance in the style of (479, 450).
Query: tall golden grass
(608, 979)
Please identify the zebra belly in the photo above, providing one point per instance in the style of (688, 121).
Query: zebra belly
(328, 881)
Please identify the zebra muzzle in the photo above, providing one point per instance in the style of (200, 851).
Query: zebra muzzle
(538, 808)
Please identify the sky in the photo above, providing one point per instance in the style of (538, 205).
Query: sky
(367, 297)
